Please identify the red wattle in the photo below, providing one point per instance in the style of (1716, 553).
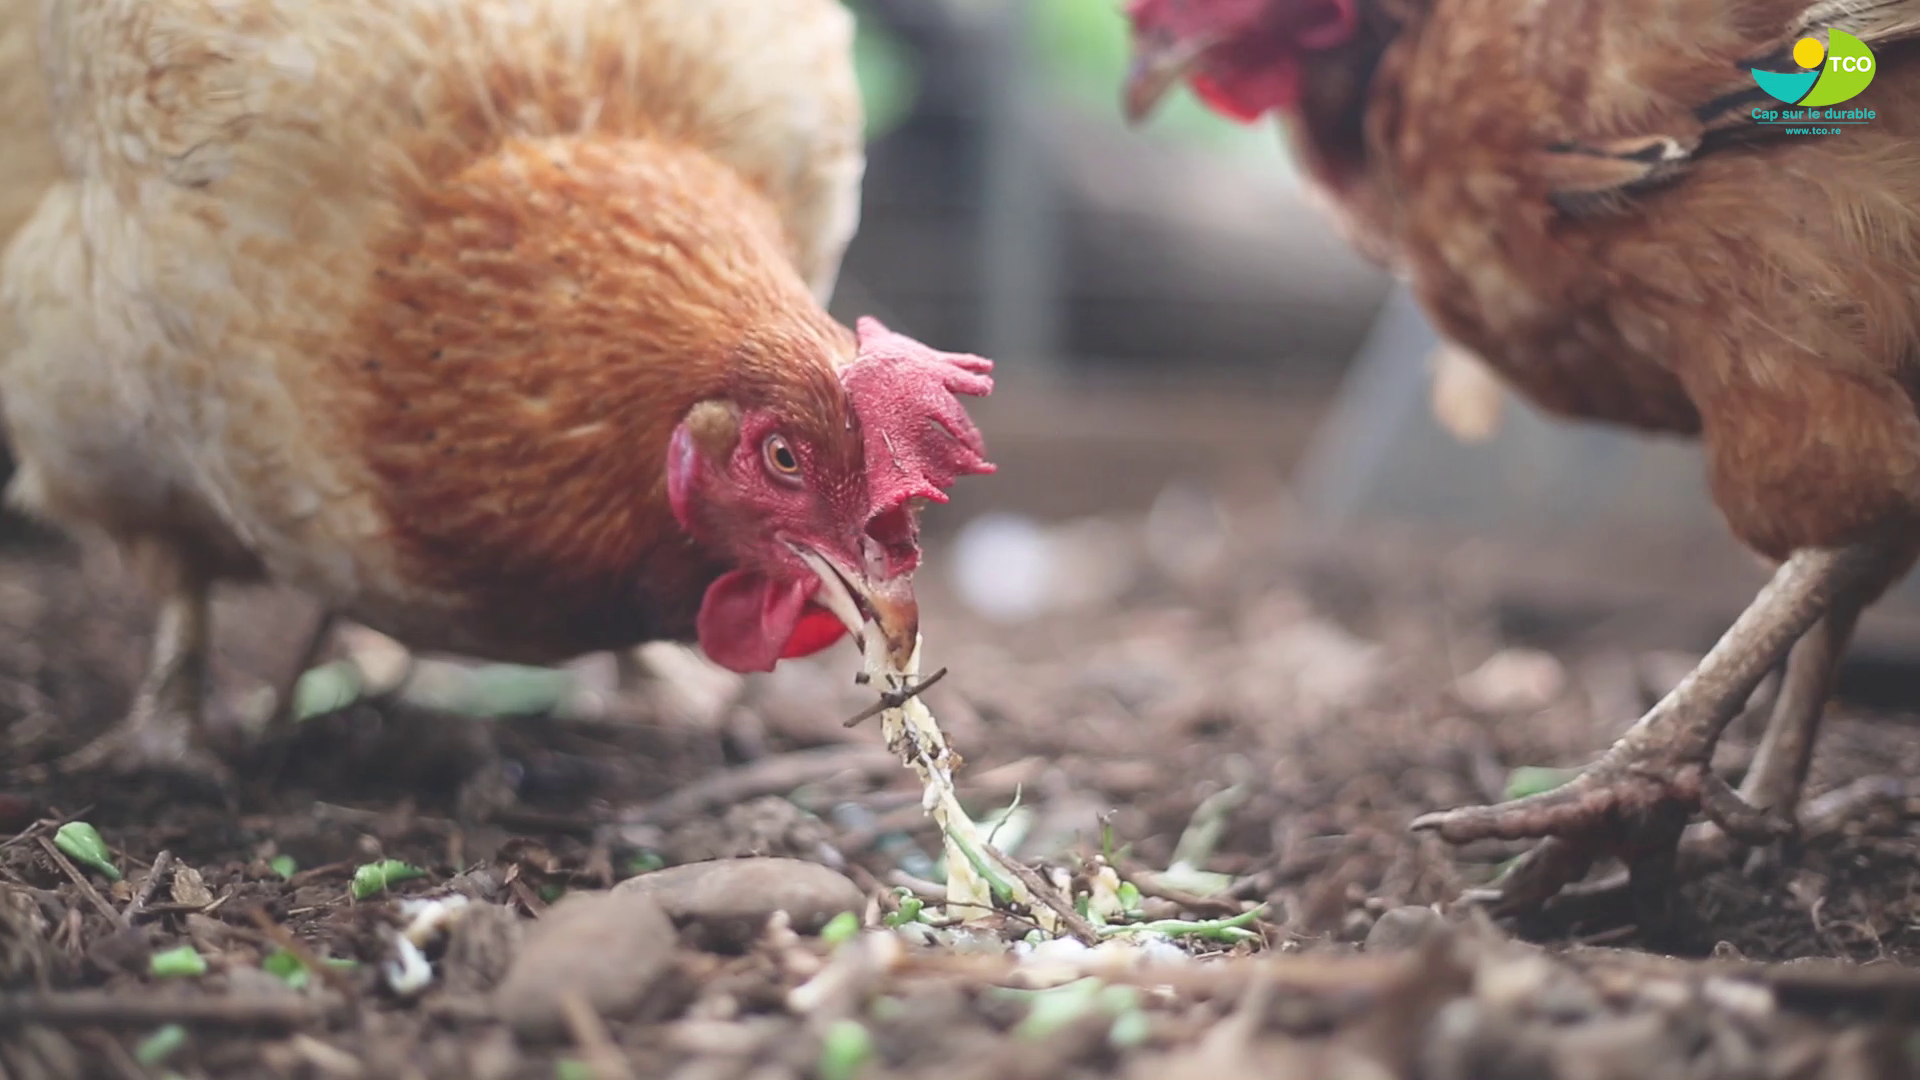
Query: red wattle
(749, 622)
(817, 629)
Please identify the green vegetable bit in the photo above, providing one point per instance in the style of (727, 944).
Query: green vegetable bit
(178, 963)
(1130, 1029)
(1228, 930)
(910, 908)
(841, 928)
(377, 877)
(328, 688)
(289, 969)
(283, 865)
(1534, 779)
(846, 1047)
(573, 1069)
(81, 842)
(161, 1045)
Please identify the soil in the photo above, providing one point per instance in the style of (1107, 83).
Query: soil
(1301, 703)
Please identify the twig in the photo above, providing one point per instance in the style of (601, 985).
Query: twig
(893, 699)
(932, 892)
(590, 1035)
(33, 830)
(1043, 891)
(769, 776)
(522, 819)
(286, 939)
(1149, 884)
(86, 887)
(114, 1056)
(145, 1010)
(535, 906)
(312, 873)
(162, 863)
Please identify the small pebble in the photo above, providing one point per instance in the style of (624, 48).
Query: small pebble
(724, 904)
(1404, 928)
(481, 948)
(1511, 983)
(611, 947)
(1513, 680)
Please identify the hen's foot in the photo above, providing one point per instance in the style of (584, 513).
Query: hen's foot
(160, 744)
(1635, 801)
(165, 733)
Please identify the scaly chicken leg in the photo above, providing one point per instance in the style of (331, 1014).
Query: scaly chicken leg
(165, 731)
(1780, 765)
(1634, 802)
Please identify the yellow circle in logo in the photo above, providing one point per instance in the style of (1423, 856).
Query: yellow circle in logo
(1808, 52)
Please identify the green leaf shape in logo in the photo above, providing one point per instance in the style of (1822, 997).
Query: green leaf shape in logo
(1849, 69)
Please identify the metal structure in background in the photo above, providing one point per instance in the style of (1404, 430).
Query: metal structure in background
(1002, 218)
(1019, 222)
(1381, 453)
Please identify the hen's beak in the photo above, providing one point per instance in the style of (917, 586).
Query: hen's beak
(854, 599)
(1158, 64)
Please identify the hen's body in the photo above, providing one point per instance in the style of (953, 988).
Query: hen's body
(222, 358)
(1580, 195)
(1766, 296)
(409, 304)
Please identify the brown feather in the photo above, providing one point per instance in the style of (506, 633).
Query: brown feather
(1763, 292)
(534, 339)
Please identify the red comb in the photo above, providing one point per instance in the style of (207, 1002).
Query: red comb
(918, 437)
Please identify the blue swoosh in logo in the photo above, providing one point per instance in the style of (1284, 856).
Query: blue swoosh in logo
(1789, 86)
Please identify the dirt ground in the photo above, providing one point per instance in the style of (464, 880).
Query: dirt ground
(1279, 713)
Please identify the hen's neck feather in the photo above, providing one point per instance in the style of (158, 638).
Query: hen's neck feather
(532, 340)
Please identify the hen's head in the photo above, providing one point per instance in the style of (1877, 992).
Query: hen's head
(1241, 57)
(811, 492)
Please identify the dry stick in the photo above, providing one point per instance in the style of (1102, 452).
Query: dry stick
(310, 874)
(893, 699)
(145, 1010)
(767, 777)
(286, 939)
(1147, 881)
(162, 863)
(1043, 891)
(590, 1035)
(535, 906)
(86, 887)
(33, 830)
(115, 1056)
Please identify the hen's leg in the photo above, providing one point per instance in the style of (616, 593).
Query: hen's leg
(165, 731)
(1636, 799)
(1779, 767)
(1786, 749)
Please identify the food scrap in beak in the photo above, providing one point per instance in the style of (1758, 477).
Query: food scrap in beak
(1158, 64)
(889, 604)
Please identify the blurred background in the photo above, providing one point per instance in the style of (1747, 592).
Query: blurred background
(1177, 324)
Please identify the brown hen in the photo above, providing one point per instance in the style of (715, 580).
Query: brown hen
(1590, 197)
(497, 327)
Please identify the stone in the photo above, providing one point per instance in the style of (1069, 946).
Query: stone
(724, 904)
(611, 947)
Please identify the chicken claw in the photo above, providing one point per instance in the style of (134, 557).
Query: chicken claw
(1635, 801)
(164, 733)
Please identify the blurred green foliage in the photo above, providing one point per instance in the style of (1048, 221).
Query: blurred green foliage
(1081, 50)
(884, 65)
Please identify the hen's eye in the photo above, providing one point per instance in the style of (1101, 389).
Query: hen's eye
(780, 457)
